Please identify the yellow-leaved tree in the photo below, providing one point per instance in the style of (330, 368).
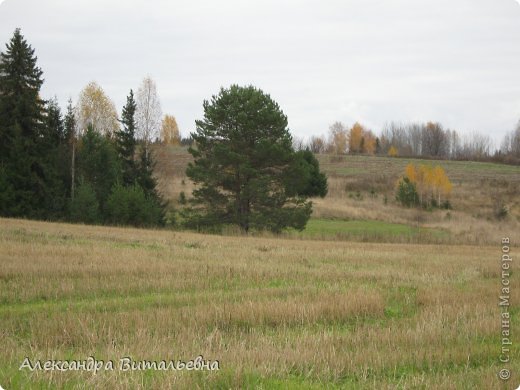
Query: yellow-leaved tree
(392, 152)
(431, 182)
(95, 109)
(170, 134)
(442, 184)
(355, 137)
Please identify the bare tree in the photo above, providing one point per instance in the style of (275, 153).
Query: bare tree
(515, 142)
(511, 143)
(148, 113)
(434, 140)
(317, 144)
(415, 137)
(298, 143)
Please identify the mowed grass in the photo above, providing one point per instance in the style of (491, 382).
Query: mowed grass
(361, 230)
(276, 313)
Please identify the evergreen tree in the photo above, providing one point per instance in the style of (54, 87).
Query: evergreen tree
(243, 161)
(54, 124)
(22, 126)
(98, 164)
(54, 159)
(70, 138)
(147, 181)
(306, 178)
(126, 142)
(69, 123)
(407, 193)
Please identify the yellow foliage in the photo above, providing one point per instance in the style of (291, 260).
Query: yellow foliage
(355, 137)
(97, 110)
(411, 172)
(429, 180)
(170, 131)
(370, 142)
(392, 152)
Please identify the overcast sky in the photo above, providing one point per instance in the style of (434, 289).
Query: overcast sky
(372, 61)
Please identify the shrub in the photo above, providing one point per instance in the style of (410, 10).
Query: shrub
(85, 206)
(446, 205)
(182, 198)
(407, 193)
(130, 206)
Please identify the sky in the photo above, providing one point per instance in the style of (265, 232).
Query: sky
(456, 62)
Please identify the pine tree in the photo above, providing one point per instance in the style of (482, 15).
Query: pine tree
(22, 127)
(243, 158)
(126, 142)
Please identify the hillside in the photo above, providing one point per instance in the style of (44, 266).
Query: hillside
(362, 188)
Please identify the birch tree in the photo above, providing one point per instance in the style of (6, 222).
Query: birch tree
(96, 109)
(148, 113)
(170, 134)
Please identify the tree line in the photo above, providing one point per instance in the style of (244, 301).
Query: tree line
(86, 165)
(424, 140)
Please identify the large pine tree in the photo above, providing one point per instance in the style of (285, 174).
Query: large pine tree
(23, 172)
(243, 162)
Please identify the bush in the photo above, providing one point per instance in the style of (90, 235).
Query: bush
(446, 205)
(85, 206)
(182, 198)
(130, 206)
(407, 193)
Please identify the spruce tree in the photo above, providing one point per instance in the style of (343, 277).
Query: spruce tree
(126, 142)
(22, 128)
(148, 182)
(70, 138)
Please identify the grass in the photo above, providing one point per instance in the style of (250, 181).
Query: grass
(365, 230)
(277, 313)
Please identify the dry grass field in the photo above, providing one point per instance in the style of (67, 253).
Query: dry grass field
(276, 313)
(369, 296)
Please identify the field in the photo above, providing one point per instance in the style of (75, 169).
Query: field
(369, 295)
(276, 313)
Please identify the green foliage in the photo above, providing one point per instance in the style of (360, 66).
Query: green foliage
(242, 166)
(37, 155)
(85, 206)
(130, 206)
(182, 198)
(126, 142)
(446, 205)
(146, 179)
(98, 164)
(306, 178)
(23, 135)
(407, 193)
